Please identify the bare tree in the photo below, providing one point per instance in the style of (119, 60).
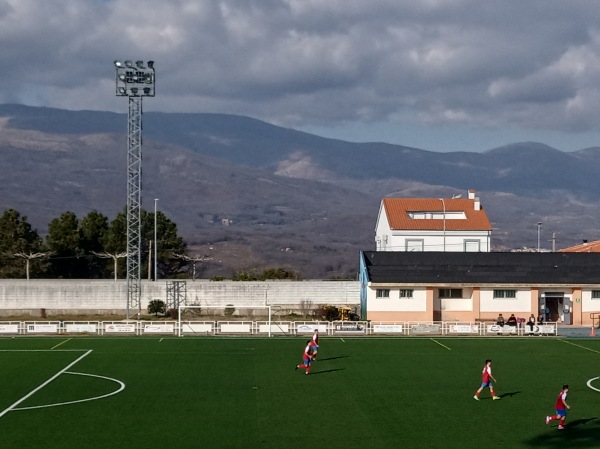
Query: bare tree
(194, 260)
(30, 256)
(114, 257)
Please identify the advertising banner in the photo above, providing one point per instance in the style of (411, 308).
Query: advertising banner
(463, 329)
(42, 328)
(9, 328)
(81, 328)
(349, 328)
(158, 328)
(119, 328)
(388, 328)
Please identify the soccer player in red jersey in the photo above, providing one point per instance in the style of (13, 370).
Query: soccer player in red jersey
(561, 408)
(486, 381)
(315, 344)
(306, 357)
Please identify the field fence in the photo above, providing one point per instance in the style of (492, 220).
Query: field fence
(271, 328)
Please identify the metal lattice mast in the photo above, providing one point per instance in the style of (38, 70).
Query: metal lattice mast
(134, 82)
(134, 199)
(176, 294)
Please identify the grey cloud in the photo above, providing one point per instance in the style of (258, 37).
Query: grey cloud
(303, 62)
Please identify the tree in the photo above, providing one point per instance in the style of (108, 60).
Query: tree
(115, 243)
(92, 231)
(169, 244)
(64, 239)
(17, 237)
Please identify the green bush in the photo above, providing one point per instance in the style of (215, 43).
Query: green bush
(156, 306)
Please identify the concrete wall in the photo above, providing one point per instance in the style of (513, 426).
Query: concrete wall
(22, 297)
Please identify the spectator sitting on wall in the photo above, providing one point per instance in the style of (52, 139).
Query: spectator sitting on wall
(540, 319)
(500, 320)
(512, 320)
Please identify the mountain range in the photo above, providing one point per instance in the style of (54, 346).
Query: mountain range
(252, 195)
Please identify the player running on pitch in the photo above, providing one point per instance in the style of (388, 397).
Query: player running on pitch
(561, 408)
(315, 344)
(306, 357)
(486, 381)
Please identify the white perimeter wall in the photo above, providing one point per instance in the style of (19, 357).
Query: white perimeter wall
(100, 296)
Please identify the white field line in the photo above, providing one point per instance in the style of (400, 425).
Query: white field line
(4, 412)
(81, 400)
(589, 383)
(579, 346)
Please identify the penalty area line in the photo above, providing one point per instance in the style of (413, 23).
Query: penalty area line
(442, 345)
(35, 390)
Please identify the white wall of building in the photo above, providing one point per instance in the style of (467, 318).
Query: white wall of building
(521, 303)
(418, 303)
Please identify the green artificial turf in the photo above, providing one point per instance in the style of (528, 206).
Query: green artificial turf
(244, 393)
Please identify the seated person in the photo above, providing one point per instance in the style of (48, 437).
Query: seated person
(500, 320)
(540, 319)
(512, 320)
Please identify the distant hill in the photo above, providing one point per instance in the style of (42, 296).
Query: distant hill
(254, 195)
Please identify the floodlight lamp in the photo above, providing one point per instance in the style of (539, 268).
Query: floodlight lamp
(140, 64)
(118, 63)
(146, 91)
(122, 77)
(151, 64)
(148, 79)
(122, 90)
(134, 90)
(128, 63)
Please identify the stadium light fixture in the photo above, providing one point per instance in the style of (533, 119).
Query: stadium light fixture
(135, 81)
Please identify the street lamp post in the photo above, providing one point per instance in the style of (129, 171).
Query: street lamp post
(134, 80)
(155, 243)
(539, 227)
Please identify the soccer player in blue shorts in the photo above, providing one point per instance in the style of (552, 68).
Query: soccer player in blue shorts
(315, 344)
(561, 408)
(306, 357)
(486, 381)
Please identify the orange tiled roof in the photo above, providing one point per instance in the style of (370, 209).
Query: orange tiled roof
(397, 211)
(589, 247)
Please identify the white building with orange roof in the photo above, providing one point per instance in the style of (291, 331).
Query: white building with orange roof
(433, 224)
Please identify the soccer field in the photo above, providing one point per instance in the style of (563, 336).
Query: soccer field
(244, 393)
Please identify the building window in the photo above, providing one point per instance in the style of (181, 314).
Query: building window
(450, 293)
(505, 294)
(595, 294)
(382, 293)
(472, 246)
(406, 293)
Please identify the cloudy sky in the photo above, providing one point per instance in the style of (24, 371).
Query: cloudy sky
(442, 75)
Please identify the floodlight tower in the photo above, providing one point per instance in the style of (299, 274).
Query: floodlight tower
(134, 81)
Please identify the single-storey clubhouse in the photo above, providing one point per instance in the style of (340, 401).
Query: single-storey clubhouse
(470, 286)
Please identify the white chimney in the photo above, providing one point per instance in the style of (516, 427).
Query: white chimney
(471, 194)
(477, 203)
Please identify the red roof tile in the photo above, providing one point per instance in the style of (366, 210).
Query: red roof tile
(589, 247)
(398, 209)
